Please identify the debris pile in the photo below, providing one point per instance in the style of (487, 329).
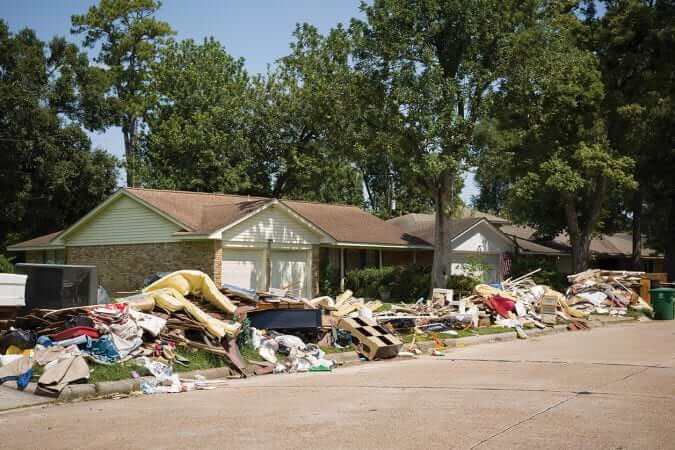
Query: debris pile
(606, 291)
(183, 310)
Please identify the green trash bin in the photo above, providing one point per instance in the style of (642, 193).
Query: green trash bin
(662, 302)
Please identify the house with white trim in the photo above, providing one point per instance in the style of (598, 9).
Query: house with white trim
(252, 242)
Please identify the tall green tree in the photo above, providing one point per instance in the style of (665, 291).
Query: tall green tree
(636, 43)
(436, 60)
(562, 166)
(129, 37)
(199, 136)
(49, 176)
(304, 125)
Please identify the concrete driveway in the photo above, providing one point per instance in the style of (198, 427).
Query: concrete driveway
(611, 387)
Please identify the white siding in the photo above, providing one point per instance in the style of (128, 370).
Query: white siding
(124, 221)
(482, 238)
(271, 223)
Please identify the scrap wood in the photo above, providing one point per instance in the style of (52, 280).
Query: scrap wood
(342, 298)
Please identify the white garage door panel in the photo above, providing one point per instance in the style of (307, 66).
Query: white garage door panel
(243, 268)
(289, 270)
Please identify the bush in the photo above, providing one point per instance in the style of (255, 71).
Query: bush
(6, 265)
(462, 284)
(549, 274)
(398, 283)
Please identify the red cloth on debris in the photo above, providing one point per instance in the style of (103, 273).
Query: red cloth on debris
(501, 305)
(75, 332)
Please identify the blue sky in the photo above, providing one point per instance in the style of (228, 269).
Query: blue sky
(257, 30)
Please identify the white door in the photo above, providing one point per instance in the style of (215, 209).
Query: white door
(244, 268)
(290, 270)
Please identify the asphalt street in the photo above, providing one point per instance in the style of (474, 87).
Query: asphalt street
(610, 387)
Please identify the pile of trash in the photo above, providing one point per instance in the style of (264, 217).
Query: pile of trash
(606, 292)
(183, 309)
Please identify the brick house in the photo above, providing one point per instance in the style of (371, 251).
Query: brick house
(248, 241)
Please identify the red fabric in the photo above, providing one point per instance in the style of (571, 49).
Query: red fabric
(75, 332)
(501, 305)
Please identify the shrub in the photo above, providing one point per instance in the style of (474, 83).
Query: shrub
(397, 283)
(549, 274)
(6, 265)
(462, 283)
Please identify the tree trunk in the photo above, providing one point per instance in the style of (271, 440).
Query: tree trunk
(637, 232)
(442, 252)
(128, 154)
(670, 242)
(580, 251)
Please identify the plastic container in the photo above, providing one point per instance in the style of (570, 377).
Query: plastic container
(13, 289)
(662, 302)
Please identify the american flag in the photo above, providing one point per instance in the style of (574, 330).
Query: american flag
(506, 265)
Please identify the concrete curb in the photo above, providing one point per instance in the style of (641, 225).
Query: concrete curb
(75, 392)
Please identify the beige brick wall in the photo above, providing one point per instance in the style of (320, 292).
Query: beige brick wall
(123, 267)
(35, 257)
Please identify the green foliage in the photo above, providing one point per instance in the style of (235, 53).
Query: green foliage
(49, 175)
(462, 283)
(6, 265)
(128, 37)
(401, 283)
(197, 138)
(548, 123)
(476, 268)
(330, 280)
(432, 64)
(549, 274)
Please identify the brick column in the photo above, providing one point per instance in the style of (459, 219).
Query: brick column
(217, 262)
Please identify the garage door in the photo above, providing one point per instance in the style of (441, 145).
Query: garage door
(243, 268)
(290, 270)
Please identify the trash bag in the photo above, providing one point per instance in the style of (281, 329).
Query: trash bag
(22, 339)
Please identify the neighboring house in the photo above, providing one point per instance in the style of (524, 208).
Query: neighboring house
(472, 240)
(608, 251)
(248, 241)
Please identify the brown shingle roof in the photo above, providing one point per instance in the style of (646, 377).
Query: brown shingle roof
(347, 223)
(422, 226)
(204, 212)
(40, 241)
(199, 211)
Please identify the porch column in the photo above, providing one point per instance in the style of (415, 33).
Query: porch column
(414, 256)
(380, 254)
(342, 269)
(268, 265)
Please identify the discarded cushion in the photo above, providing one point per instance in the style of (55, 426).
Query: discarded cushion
(196, 283)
